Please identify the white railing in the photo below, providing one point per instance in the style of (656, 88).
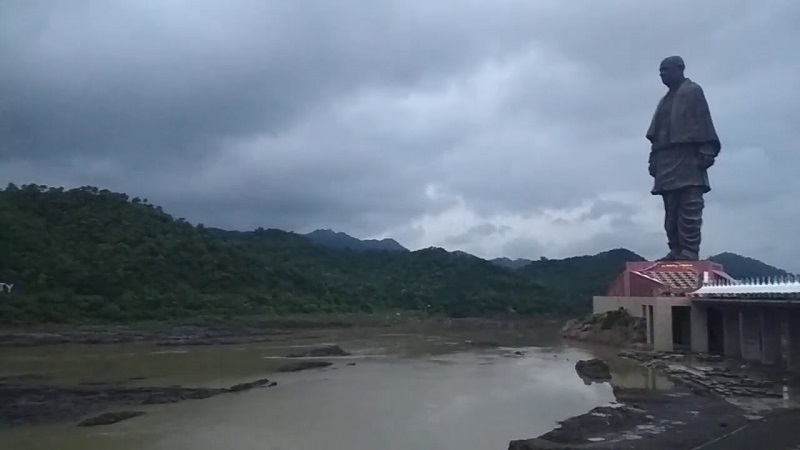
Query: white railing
(780, 285)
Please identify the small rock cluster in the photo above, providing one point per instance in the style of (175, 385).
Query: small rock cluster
(723, 381)
(716, 378)
(613, 327)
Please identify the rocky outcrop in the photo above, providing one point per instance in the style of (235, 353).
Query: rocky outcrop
(593, 370)
(614, 328)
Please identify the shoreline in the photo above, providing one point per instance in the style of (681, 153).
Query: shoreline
(232, 332)
(92, 404)
(30, 399)
(712, 399)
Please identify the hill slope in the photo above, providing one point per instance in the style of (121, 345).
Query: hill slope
(578, 278)
(93, 255)
(339, 240)
(739, 266)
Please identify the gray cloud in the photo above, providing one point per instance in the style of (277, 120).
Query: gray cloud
(473, 234)
(380, 117)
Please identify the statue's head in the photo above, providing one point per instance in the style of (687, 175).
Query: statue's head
(671, 71)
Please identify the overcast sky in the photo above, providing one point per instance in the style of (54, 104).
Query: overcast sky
(502, 128)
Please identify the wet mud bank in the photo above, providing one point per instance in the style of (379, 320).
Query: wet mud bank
(38, 404)
(249, 331)
(713, 397)
(179, 336)
(28, 399)
(642, 419)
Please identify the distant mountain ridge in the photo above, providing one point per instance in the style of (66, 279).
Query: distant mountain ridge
(735, 265)
(342, 241)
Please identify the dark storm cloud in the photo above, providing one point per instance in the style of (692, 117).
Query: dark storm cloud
(376, 116)
(141, 78)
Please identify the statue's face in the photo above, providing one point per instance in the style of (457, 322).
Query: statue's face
(670, 73)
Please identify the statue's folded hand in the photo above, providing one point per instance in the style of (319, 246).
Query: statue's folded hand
(705, 161)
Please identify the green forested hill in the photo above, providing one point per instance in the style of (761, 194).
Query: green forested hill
(577, 279)
(739, 266)
(91, 255)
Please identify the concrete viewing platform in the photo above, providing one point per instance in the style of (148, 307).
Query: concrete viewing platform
(696, 306)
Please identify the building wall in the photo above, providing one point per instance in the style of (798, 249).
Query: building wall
(630, 284)
(633, 305)
(617, 288)
(643, 287)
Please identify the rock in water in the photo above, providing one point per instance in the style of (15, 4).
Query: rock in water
(250, 385)
(331, 350)
(109, 418)
(304, 365)
(593, 369)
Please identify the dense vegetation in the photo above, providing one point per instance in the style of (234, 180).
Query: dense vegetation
(739, 266)
(91, 255)
(578, 278)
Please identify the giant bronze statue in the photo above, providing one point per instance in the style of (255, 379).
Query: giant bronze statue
(684, 146)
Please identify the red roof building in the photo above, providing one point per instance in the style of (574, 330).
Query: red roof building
(665, 278)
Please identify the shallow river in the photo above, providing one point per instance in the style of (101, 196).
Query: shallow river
(413, 387)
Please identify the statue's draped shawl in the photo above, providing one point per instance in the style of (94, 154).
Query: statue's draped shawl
(690, 118)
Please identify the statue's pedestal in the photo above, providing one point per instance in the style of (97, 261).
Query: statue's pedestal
(658, 278)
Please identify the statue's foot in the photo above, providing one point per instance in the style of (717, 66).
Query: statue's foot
(668, 257)
(687, 255)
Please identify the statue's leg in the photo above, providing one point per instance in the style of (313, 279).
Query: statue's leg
(690, 221)
(671, 215)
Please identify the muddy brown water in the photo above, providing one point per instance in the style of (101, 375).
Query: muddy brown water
(430, 387)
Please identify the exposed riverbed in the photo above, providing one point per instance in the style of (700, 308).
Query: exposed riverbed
(426, 386)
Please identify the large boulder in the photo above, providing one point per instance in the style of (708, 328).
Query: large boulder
(616, 327)
(593, 370)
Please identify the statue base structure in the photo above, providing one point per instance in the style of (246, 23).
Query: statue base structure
(658, 291)
(665, 278)
(695, 306)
